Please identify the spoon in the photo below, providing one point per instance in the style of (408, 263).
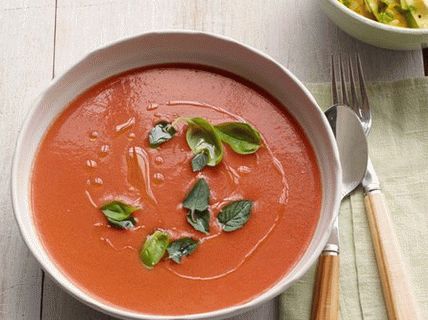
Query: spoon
(353, 154)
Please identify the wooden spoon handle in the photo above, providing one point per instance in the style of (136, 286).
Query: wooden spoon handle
(399, 300)
(325, 301)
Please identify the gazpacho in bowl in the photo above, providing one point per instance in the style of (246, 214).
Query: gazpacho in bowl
(175, 175)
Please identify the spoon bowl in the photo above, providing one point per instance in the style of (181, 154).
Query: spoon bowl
(352, 145)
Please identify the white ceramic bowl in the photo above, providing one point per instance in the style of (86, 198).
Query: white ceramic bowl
(373, 32)
(174, 47)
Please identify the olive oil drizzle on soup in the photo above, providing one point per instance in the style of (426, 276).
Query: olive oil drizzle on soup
(97, 151)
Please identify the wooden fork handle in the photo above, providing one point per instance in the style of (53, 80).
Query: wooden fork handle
(399, 300)
(325, 301)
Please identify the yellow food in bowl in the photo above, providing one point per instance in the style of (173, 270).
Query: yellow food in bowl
(400, 13)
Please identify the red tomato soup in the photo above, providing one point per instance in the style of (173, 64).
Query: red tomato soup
(98, 151)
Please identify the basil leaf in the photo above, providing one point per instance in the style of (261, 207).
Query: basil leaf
(199, 161)
(198, 197)
(199, 220)
(154, 248)
(118, 210)
(162, 132)
(203, 138)
(124, 224)
(241, 137)
(235, 215)
(181, 248)
(197, 201)
(118, 214)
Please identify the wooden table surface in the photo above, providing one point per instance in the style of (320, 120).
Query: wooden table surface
(41, 38)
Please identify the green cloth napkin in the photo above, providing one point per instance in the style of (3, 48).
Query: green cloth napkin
(398, 146)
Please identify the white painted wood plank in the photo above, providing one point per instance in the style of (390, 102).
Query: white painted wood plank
(26, 47)
(292, 31)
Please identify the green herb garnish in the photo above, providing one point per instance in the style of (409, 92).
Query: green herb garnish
(118, 214)
(199, 220)
(181, 248)
(198, 198)
(162, 132)
(154, 248)
(199, 161)
(206, 140)
(124, 224)
(203, 138)
(235, 215)
(197, 201)
(240, 136)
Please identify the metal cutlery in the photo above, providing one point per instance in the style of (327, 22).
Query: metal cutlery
(399, 300)
(353, 155)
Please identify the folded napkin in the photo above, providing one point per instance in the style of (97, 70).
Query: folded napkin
(398, 146)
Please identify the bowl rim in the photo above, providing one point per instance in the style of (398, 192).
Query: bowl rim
(96, 302)
(377, 24)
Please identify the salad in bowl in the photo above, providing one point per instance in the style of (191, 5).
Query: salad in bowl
(399, 13)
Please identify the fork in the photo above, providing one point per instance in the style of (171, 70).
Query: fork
(399, 300)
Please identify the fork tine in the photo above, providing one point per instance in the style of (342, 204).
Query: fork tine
(342, 82)
(363, 89)
(364, 110)
(333, 82)
(354, 99)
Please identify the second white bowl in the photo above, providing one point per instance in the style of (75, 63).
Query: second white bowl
(373, 32)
